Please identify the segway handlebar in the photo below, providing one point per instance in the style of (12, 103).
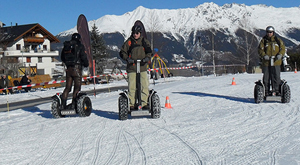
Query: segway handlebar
(272, 60)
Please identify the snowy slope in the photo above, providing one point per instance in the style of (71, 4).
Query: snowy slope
(212, 122)
(181, 22)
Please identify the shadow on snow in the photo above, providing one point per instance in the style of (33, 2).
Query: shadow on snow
(201, 94)
(47, 113)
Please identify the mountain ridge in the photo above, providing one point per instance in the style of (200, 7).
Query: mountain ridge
(179, 31)
(202, 17)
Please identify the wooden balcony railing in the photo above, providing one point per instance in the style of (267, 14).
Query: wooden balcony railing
(34, 39)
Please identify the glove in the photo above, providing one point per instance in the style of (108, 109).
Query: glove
(130, 61)
(278, 57)
(145, 60)
(266, 57)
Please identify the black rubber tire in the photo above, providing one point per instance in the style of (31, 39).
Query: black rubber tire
(286, 94)
(155, 107)
(258, 94)
(287, 68)
(123, 108)
(55, 111)
(84, 106)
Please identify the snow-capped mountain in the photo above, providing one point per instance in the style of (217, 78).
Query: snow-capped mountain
(178, 30)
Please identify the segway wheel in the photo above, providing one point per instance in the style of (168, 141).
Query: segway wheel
(55, 111)
(84, 106)
(287, 68)
(258, 94)
(155, 106)
(286, 94)
(123, 107)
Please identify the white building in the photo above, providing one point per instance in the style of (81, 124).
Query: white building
(30, 46)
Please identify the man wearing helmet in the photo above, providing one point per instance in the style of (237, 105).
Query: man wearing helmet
(136, 47)
(271, 49)
(74, 58)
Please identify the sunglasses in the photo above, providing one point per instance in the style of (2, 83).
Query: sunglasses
(136, 33)
(269, 32)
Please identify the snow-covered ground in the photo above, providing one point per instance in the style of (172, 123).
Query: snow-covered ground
(212, 122)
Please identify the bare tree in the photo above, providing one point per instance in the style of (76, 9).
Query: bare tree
(247, 44)
(154, 26)
(11, 66)
(213, 31)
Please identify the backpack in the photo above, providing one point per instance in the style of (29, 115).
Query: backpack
(70, 53)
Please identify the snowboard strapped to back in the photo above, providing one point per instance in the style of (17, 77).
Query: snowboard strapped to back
(71, 53)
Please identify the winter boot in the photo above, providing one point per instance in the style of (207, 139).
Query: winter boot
(63, 104)
(72, 105)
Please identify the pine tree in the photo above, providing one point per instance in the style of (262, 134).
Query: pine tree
(99, 50)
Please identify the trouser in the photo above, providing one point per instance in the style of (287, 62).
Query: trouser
(26, 88)
(132, 88)
(271, 74)
(73, 74)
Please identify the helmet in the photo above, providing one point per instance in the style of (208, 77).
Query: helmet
(136, 28)
(76, 36)
(270, 29)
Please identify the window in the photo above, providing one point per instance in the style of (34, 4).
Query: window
(18, 46)
(44, 47)
(40, 59)
(28, 59)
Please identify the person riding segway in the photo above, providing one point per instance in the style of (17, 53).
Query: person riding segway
(271, 50)
(137, 101)
(74, 57)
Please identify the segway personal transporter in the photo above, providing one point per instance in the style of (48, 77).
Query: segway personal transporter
(83, 106)
(285, 67)
(260, 95)
(153, 101)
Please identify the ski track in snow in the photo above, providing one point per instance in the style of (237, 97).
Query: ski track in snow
(211, 122)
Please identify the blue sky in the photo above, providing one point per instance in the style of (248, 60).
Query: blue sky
(60, 15)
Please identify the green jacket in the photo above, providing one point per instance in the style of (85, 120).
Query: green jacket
(271, 47)
(136, 50)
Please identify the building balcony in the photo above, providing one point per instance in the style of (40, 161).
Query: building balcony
(31, 53)
(34, 39)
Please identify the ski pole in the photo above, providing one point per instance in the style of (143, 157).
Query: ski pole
(107, 83)
(94, 78)
(7, 103)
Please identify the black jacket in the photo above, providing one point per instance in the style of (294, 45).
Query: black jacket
(4, 83)
(25, 81)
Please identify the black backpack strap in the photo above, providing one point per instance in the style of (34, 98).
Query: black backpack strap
(132, 45)
(147, 49)
(276, 39)
(278, 42)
